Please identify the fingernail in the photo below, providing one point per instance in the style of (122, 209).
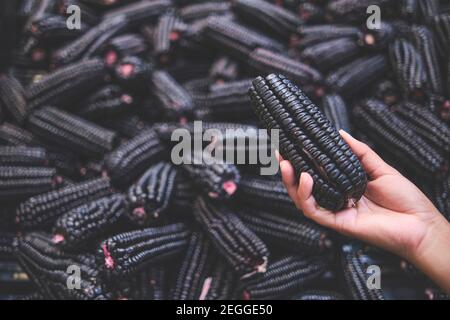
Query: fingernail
(345, 132)
(282, 164)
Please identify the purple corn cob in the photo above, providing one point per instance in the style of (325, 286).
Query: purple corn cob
(160, 190)
(284, 277)
(127, 253)
(12, 99)
(310, 141)
(88, 221)
(241, 248)
(44, 209)
(63, 85)
(69, 131)
(133, 157)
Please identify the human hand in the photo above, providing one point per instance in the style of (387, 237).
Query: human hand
(393, 213)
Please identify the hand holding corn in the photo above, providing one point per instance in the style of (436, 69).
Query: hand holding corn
(392, 214)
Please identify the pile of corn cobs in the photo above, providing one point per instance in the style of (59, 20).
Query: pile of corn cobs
(86, 116)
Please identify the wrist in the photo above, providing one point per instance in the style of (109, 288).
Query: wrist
(432, 255)
(437, 236)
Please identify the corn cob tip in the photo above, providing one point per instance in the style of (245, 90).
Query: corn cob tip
(230, 187)
(205, 288)
(58, 238)
(260, 267)
(58, 180)
(126, 98)
(109, 261)
(125, 70)
(139, 212)
(111, 58)
(369, 39)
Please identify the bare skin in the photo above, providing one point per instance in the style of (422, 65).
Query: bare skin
(393, 214)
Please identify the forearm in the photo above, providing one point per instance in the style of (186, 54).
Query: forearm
(433, 256)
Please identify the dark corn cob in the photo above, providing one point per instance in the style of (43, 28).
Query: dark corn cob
(292, 234)
(195, 267)
(268, 61)
(284, 277)
(387, 91)
(318, 295)
(69, 131)
(11, 135)
(429, 9)
(26, 8)
(425, 42)
(48, 268)
(129, 44)
(309, 141)
(224, 69)
(52, 29)
(23, 156)
(217, 178)
(147, 285)
(353, 10)
(355, 76)
(107, 4)
(63, 85)
(127, 253)
(279, 21)
(12, 98)
(409, 68)
(228, 101)
(133, 72)
(44, 209)
(165, 35)
(441, 28)
(425, 124)
(380, 38)
(311, 13)
(240, 247)
(161, 189)
(220, 285)
(88, 221)
(265, 194)
(38, 10)
(140, 11)
(133, 157)
(6, 244)
(335, 109)
(236, 40)
(394, 135)
(354, 268)
(436, 294)
(21, 182)
(328, 54)
(86, 45)
(202, 10)
(174, 99)
(107, 101)
(310, 35)
(409, 10)
(127, 125)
